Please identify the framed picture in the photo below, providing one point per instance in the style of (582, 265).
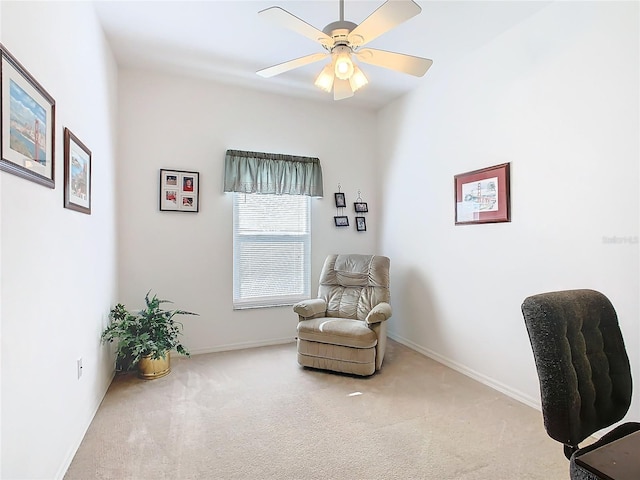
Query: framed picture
(179, 190)
(361, 224)
(340, 200)
(483, 196)
(341, 221)
(77, 174)
(361, 207)
(27, 122)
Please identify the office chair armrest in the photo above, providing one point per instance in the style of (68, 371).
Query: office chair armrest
(379, 313)
(309, 308)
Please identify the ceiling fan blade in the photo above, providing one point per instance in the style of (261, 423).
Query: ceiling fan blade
(400, 62)
(341, 89)
(291, 64)
(290, 21)
(388, 15)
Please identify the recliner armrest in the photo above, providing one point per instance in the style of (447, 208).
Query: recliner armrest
(379, 313)
(309, 308)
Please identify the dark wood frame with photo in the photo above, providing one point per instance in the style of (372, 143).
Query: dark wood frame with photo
(179, 191)
(483, 196)
(361, 224)
(23, 130)
(77, 174)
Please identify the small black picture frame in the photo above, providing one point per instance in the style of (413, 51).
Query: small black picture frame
(179, 191)
(340, 200)
(341, 221)
(361, 207)
(361, 224)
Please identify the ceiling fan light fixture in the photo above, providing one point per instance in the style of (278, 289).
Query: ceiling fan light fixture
(358, 79)
(343, 64)
(324, 81)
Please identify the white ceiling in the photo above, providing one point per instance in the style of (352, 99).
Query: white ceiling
(228, 41)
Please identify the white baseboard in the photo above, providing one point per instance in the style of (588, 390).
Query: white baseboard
(243, 345)
(74, 448)
(490, 382)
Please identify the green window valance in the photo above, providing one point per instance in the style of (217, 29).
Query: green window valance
(256, 172)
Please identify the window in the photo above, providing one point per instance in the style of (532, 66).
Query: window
(271, 249)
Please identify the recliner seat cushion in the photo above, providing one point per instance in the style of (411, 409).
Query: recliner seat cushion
(337, 331)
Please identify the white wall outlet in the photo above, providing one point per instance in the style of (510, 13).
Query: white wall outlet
(79, 365)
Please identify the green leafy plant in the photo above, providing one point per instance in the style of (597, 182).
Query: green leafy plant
(152, 331)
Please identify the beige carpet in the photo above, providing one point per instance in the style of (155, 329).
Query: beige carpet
(256, 414)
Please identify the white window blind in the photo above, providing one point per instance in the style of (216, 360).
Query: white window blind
(271, 249)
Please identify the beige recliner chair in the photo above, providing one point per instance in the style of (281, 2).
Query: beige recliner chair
(344, 329)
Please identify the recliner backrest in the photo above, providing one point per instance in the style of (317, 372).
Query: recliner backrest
(353, 284)
(582, 363)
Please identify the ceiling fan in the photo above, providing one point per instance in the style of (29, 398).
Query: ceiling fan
(342, 40)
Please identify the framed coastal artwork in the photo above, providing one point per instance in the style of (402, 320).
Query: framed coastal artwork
(483, 196)
(179, 191)
(27, 122)
(77, 174)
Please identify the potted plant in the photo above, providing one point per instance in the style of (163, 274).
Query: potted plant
(145, 337)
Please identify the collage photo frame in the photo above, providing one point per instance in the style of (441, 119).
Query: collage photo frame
(179, 191)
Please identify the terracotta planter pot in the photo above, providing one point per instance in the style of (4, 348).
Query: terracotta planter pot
(150, 368)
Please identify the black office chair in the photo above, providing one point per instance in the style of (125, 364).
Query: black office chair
(583, 369)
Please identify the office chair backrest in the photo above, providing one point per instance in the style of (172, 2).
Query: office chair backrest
(353, 284)
(583, 367)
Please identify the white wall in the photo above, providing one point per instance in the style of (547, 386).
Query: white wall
(58, 266)
(168, 121)
(557, 96)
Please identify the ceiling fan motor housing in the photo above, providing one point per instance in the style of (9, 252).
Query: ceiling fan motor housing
(339, 31)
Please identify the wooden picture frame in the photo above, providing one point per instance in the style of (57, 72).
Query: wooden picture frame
(341, 221)
(361, 224)
(77, 174)
(483, 196)
(27, 124)
(179, 191)
(360, 207)
(340, 200)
